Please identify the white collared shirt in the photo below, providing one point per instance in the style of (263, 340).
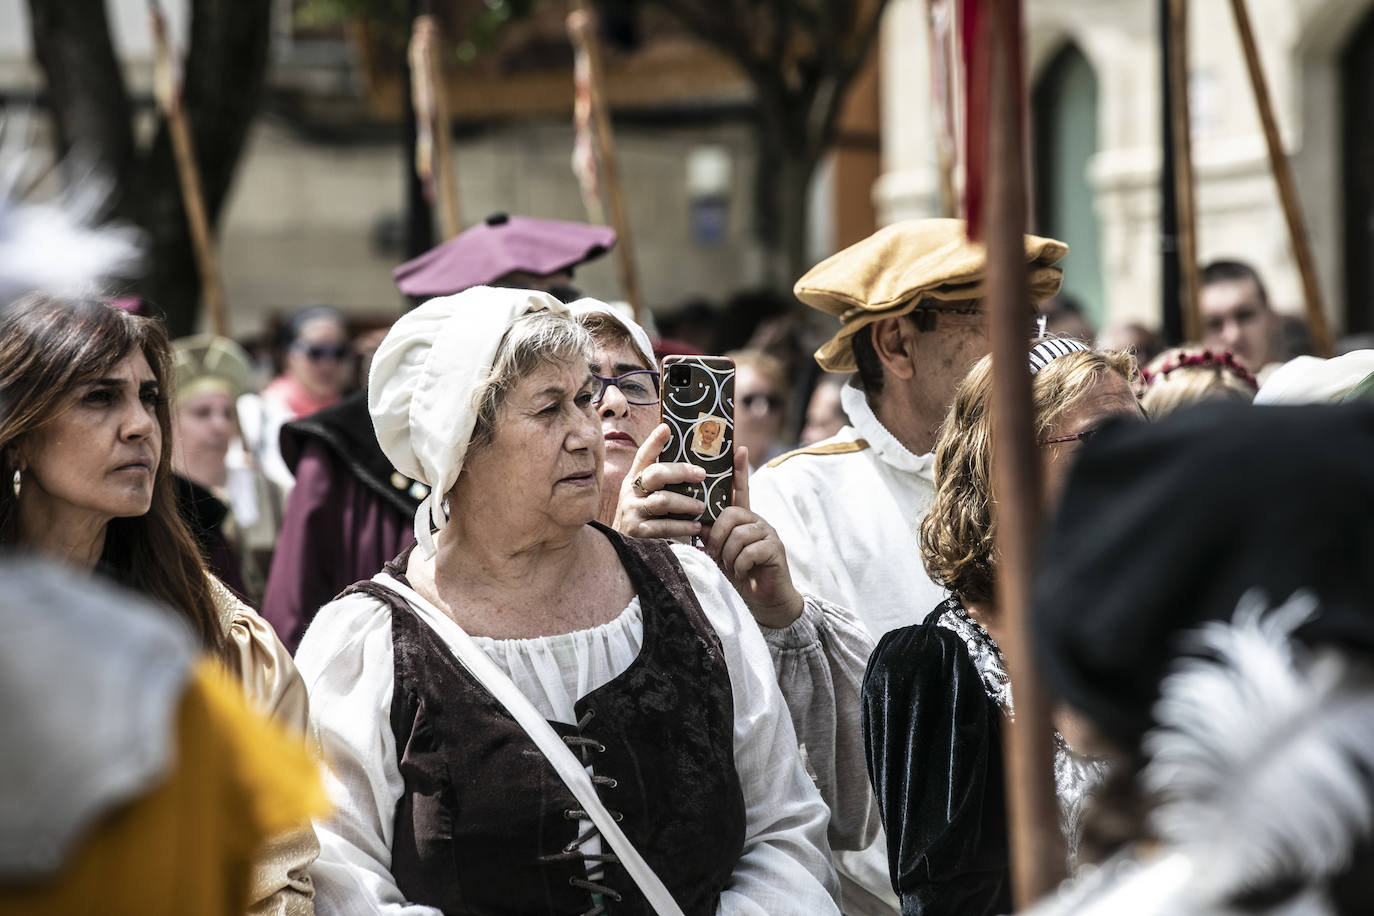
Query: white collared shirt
(847, 510)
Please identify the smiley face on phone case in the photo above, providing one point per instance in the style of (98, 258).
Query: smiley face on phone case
(698, 404)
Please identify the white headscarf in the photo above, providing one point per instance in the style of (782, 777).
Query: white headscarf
(1311, 380)
(426, 380)
(589, 306)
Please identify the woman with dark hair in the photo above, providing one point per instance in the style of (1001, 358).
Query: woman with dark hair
(85, 432)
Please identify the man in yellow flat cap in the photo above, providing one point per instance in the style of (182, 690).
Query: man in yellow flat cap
(910, 299)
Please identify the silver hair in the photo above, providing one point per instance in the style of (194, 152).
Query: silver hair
(532, 341)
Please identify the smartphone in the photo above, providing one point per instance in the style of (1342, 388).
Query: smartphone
(698, 404)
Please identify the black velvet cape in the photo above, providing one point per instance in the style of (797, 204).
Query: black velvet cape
(933, 739)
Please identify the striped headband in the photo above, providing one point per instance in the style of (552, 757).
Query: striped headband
(1045, 351)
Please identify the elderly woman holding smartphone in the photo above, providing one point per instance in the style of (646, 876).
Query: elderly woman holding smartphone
(528, 712)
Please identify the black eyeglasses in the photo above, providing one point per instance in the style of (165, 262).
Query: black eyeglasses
(639, 387)
(927, 317)
(1084, 436)
(317, 352)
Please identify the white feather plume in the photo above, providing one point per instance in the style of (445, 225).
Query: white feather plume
(1258, 757)
(55, 247)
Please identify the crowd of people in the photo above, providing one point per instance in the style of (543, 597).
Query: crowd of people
(424, 625)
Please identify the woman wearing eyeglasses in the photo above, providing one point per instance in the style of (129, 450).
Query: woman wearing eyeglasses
(937, 694)
(627, 392)
(818, 650)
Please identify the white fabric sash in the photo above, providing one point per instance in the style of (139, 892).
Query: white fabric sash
(480, 666)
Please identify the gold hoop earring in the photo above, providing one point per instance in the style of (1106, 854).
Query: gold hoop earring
(18, 483)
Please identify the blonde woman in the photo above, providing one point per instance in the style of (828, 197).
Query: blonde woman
(1190, 375)
(937, 693)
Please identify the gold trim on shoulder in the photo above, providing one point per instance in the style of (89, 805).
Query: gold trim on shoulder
(829, 448)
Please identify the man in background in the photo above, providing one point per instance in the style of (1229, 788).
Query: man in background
(1236, 314)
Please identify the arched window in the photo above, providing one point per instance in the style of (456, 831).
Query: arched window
(1064, 122)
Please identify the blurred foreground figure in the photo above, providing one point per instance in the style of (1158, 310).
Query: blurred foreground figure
(85, 440)
(133, 776)
(350, 510)
(1212, 617)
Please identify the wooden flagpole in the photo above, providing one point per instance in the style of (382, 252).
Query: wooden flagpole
(581, 26)
(1184, 182)
(939, 30)
(434, 152)
(1037, 846)
(1283, 177)
(167, 90)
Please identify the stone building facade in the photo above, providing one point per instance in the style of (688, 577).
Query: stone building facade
(1094, 69)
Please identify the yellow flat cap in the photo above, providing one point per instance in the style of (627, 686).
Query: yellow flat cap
(894, 269)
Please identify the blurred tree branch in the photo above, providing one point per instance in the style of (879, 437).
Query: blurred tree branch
(224, 69)
(800, 56)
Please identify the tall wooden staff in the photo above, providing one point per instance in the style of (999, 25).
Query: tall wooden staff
(992, 48)
(1184, 182)
(433, 125)
(939, 31)
(167, 90)
(581, 27)
(1283, 177)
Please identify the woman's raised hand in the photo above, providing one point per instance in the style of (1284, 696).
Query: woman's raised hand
(645, 506)
(744, 546)
(750, 553)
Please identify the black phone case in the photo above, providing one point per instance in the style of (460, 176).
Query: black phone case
(705, 403)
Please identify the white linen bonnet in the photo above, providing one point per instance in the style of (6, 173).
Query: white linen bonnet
(426, 380)
(590, 306)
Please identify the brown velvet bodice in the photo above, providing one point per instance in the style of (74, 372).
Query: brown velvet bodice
(486, 826)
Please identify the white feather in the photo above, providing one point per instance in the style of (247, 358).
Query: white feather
(55, 247)
(1258, 755)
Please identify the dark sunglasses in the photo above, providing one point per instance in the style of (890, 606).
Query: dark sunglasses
(927, 318)
(758, 403)
(639, 387)
(317, 352)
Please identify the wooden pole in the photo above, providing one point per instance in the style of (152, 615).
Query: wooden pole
(1037, 846)
(431, 103)
(581, 26)
(1283, 177)
(1184, 182)
(167, 89)
(939, 29)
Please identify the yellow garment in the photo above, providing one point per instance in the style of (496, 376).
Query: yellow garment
(280, 879)
(186, 848)
(260, 663)
(896, 268)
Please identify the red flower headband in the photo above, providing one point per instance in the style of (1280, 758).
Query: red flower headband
(1224, 360)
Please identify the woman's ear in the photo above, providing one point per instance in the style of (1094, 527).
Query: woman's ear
(894, 342)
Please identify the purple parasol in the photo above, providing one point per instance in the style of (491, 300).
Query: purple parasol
(497, 246)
